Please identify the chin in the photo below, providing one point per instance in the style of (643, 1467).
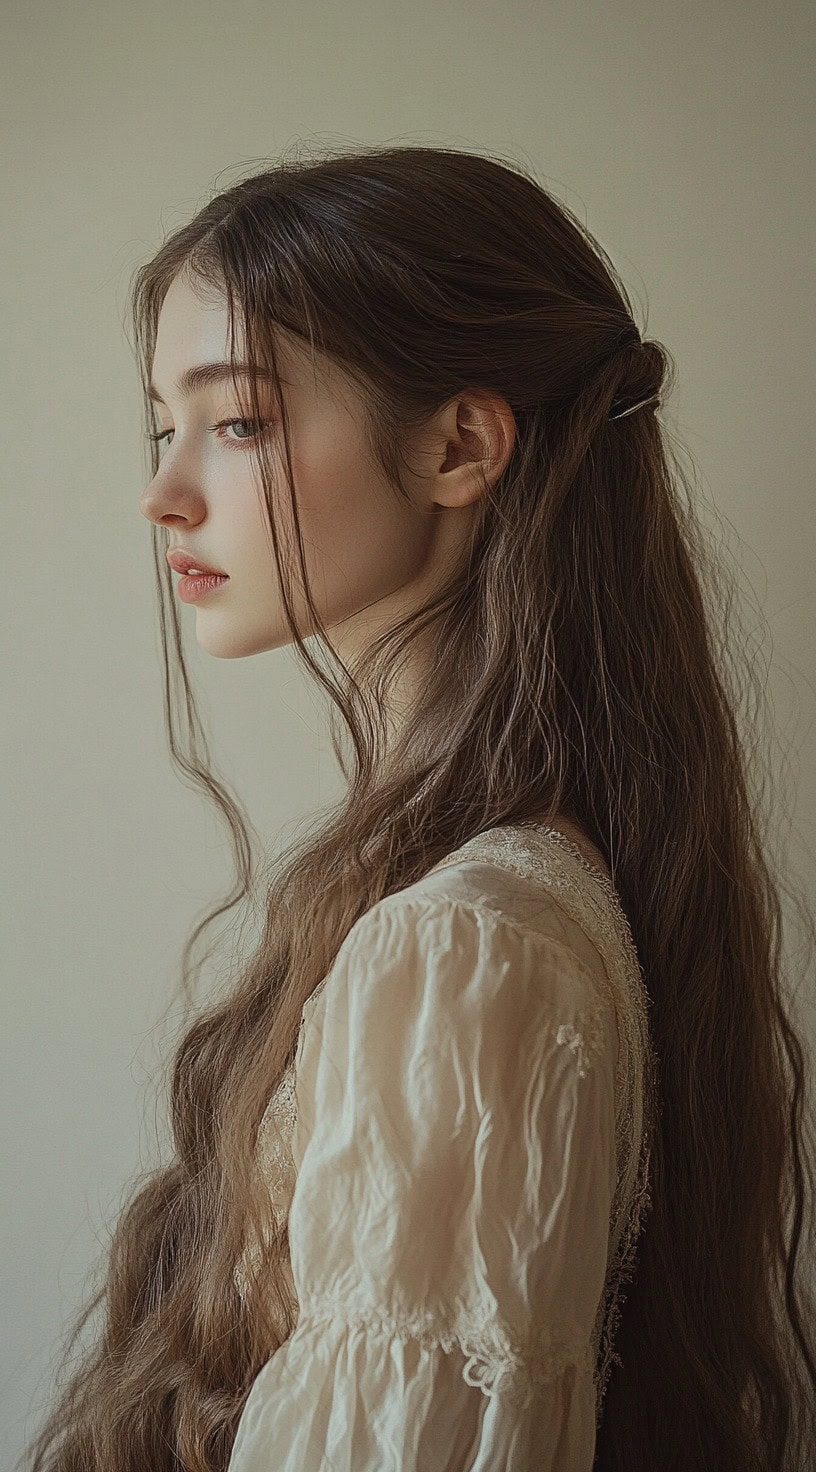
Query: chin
(228, 645)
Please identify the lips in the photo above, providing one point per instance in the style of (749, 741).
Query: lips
(183, 561)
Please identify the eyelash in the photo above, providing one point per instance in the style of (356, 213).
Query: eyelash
(222, 424)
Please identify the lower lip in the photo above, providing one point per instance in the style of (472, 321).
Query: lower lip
(190, 589)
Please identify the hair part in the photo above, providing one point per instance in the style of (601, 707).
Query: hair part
(584, 665)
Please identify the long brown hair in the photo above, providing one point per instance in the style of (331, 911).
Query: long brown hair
(584, 665)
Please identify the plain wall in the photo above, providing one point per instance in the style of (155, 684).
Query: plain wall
(683, 135)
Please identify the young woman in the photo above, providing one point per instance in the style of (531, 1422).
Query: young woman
(495, 1154)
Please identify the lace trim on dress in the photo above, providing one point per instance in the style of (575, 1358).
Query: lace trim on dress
(277, 1166)
(591, 900)
(499, 1361)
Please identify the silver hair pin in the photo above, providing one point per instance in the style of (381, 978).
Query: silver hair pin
(655, 399)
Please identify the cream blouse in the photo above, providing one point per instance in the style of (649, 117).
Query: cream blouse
(462, 1150)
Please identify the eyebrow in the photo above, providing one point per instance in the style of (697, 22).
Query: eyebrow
(203, 375)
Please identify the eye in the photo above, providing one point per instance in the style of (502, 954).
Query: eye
(230, 423)
(223, 424)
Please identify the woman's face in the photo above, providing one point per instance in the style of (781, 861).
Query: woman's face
(370, 557)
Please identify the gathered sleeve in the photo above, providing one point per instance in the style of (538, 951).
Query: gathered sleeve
(449, 1226)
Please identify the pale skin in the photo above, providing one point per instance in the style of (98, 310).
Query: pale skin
(370, 558)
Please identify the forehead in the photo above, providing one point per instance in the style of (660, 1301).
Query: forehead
(191, 330)
(192, 345)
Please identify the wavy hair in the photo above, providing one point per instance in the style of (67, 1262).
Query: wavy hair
(584, 665)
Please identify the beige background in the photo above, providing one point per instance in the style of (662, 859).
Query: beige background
(684, 135)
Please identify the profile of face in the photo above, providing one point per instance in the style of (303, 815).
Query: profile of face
(370, 556)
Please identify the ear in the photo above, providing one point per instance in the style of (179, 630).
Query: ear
(474, 437)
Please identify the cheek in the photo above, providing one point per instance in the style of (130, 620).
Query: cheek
(246, 515)
(360, 541)
(360, 546)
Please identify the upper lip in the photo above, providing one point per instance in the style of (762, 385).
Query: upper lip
(181, 561)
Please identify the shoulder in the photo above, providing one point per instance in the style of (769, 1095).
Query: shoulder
(508, 911)
(440, 949)
(529, 884)
(445, 917)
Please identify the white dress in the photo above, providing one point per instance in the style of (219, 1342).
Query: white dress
(462, 1148)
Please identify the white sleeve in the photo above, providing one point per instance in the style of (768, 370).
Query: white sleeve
(455, 1155)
